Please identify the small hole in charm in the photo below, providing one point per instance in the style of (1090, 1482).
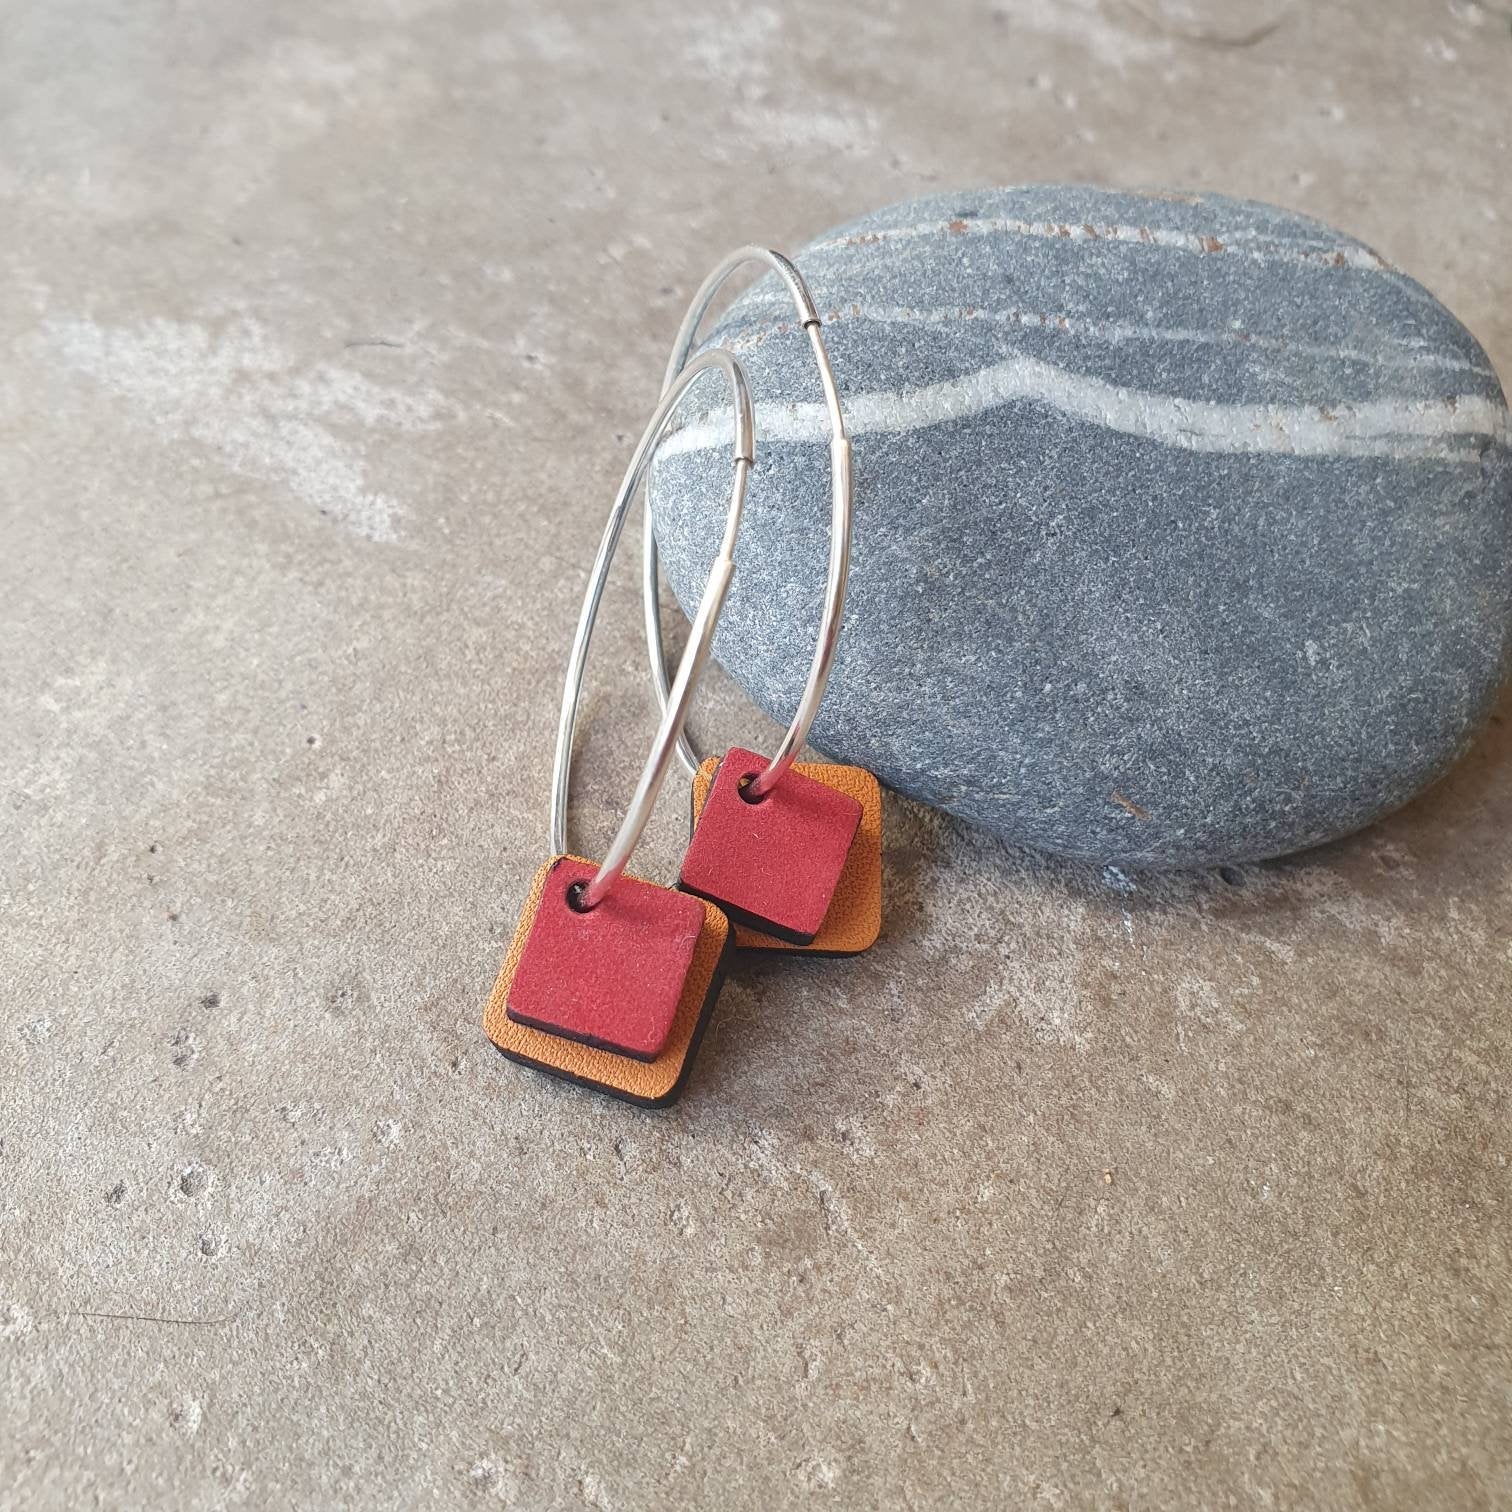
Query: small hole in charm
(575, 895)
(743, 787)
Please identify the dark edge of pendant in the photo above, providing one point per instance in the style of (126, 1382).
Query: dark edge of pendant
(806, 953)
(591, 1040)
(752, 921)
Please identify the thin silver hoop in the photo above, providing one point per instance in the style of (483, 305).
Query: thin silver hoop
(674, 705)
(840, 518)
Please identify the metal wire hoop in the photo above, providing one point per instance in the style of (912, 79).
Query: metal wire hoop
(840, 518)
(675, 703)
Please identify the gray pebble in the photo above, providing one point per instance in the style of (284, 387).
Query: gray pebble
(1184, 524)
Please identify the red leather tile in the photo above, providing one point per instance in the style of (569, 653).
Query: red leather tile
(854, 919)
(612, 977)
(772, 864)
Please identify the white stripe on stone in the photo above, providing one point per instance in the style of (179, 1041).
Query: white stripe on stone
(1200, 243)
(1403, 429)
(754, 331)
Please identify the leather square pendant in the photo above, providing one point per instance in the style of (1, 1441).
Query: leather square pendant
(854, 919)
(772, 864)
(611, 977)
(653, 1082)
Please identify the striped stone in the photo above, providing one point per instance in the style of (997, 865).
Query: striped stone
(1184, 524)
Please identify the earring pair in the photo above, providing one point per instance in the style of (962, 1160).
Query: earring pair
(610, 979)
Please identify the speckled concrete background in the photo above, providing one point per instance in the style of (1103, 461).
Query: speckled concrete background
(326, 329)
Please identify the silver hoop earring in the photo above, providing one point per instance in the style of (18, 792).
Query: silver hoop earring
(610, 979)
(793, 853)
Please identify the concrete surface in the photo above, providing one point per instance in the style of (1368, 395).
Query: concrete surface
(325, 329)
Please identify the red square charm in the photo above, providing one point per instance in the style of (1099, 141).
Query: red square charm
(611, 977)
(772, 863)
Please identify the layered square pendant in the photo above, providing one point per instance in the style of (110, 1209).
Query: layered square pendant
(615, 998)
(800, 869)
